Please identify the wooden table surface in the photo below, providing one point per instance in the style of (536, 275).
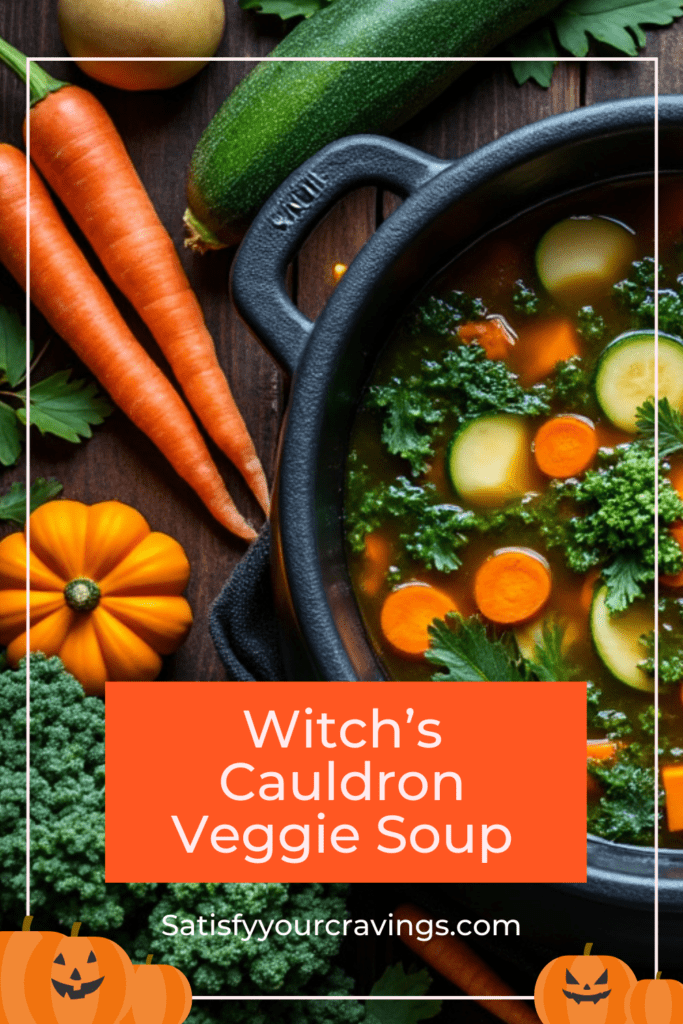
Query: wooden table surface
(160, 130)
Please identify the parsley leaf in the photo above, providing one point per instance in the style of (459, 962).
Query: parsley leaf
(285, 8)
(670, 424)
(10, 440)
(13, 502)
(549, 663)
(617, 23)
(467, 653)
(66, 408)
(624, 577)
(12, 347)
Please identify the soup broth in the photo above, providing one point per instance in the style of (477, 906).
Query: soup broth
(500, 488)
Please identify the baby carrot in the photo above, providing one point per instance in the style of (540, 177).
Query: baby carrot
(407, 613)
(512, 585)
(675, 580)
(565, 446)
(77, 149)
(456, 961)
(76, 304)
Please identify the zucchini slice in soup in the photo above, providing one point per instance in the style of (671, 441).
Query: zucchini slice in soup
(617, 639)
(625, 375)
(489, 461)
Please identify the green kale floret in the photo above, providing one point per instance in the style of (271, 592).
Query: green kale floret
(432, 533)
(591, 325)
(462, 382)
(616, 525)
(572, 383)
(444, 316)
(285, 964)
(524, 299)
(636, 295)
(625, 812)
(67, 797)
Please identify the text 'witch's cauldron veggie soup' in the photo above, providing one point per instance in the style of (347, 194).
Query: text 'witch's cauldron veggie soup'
(503, 483)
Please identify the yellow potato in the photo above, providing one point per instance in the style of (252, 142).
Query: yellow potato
(141, 28)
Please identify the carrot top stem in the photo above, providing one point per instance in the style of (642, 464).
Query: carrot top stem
(41, 84)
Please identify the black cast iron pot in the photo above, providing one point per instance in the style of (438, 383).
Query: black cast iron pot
(448, 205)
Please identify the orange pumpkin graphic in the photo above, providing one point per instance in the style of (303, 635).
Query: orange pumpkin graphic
(161, 995)
(655, 1001)
(71, 980)
(583, 989)
(16, 949)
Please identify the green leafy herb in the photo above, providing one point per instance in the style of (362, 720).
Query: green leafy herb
(572, 26)
(549, 663)
(65, 408)
(395, 982)
(616, 529)
(467, 652)
(59, 406)
(462, 379)
(625, 812)
(431, 533)
(670, 426)
(524, 300)
(12, 348)
(591, 325)
(636, 295)
(13, 502)
(285, 9)
(444, 316)
(572, 383)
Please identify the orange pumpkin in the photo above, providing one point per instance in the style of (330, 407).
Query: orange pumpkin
(161, 995)
(15, 950)
(656, 1001)
(104, 592)
(583, 989)
(70, 980)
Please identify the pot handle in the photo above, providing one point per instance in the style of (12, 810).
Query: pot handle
(259, 269)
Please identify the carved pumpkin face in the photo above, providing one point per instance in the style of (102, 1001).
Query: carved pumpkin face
(583, 990)
(73, 980)
(76, 970)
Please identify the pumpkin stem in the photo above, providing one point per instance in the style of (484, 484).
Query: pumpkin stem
(82, 594)
(659, 974)
(26, 926)
(75, 928)
(587, 949)
(149, 959)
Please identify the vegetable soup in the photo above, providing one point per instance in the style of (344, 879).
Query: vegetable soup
(502, 477)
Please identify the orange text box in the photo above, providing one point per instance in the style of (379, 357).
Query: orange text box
(366, 782)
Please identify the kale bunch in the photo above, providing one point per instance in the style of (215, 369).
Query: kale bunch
(67, 871)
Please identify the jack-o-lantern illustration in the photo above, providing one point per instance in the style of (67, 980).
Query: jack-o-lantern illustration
(655, 1001)
(73, 980)
(583, 989)
(161, 995)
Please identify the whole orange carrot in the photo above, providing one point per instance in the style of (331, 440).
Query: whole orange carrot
(457, 962)
(76, 304)
(76, 147)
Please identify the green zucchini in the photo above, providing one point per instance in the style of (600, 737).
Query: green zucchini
(282, 113)
(625, 375)
(617, 639)
(489, 460)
